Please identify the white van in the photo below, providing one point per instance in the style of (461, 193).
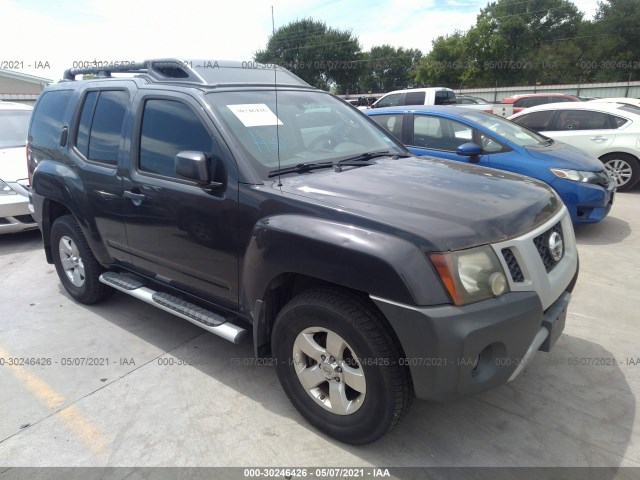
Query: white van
(417, 96)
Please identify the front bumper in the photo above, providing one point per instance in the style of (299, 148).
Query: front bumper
(586, 202)
(15, 215)
(455, 351)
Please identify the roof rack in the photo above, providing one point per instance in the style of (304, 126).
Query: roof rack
(161, 69)
(209, 73)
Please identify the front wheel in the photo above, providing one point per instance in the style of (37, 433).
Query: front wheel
(77, 268)
(338, 362)
(623, 168)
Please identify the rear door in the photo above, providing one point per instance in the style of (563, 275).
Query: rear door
(97, 147)
(177, 231)
(587, 130)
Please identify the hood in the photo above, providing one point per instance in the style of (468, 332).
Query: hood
(561, 155)
(13, 164)
(449, 205)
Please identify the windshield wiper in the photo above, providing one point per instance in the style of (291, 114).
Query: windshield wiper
(299, 168)
(365, 157)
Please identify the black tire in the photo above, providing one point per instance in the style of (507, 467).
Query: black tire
(619, 164)
(389, 390)
(91, 290)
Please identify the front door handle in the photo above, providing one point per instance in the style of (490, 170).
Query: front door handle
(136, 198)
(599, 138)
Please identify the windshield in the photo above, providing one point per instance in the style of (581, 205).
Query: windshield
(507, 129)
(312, 127)
(14, 125)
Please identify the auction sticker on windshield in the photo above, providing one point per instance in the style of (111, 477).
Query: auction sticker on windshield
(255, 115)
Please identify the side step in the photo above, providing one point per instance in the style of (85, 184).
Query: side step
(206, 319)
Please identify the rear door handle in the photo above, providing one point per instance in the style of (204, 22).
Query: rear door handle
(136, 198)
(599, 138)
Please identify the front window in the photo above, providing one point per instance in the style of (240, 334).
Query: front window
(304, 127)
(510, 131)
(14, 125)
(440, 133)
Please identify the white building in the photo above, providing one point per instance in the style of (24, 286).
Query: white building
(20, 87)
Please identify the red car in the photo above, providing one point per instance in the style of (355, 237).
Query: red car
(520, 102)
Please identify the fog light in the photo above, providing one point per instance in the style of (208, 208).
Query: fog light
(498, 283)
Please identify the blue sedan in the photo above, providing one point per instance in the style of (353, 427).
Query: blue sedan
(462, 134)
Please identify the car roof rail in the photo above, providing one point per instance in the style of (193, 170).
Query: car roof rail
(206, 73)
(166, 69)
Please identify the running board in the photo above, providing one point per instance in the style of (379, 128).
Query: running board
(212, 322)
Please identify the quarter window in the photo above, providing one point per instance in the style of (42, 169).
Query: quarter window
(47, 118)
(168, 128)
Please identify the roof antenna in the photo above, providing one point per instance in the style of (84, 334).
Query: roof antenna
(275, 85)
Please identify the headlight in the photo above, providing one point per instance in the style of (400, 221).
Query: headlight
(5, 189)
(575, 175)
(471, 275)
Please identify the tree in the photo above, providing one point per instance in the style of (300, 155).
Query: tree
(387, 68)
(610, 42)
(322, 56)
(448, 63)
(508, 37)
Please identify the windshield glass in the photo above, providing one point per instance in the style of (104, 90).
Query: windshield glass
(312, 127)
(507, 129)
(14, 125)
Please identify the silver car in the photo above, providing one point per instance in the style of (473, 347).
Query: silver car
(14, 183)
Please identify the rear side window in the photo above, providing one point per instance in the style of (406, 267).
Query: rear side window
(101, 122)
(168, 128)
(582, 120)
(46, 126)
(415, 98)
(538, 121)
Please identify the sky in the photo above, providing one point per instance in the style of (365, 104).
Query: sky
(44, 37)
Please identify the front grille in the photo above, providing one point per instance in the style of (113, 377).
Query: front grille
(512, 263)
(542, 241)
(24, 218)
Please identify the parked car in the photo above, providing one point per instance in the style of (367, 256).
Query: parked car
(365, 275)
(474, 103)
(608, 131)
(528, 100)
(14, 201)
(457, 133)
(634, 102)
(417, 96)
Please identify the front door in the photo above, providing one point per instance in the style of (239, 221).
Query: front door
(177, 231)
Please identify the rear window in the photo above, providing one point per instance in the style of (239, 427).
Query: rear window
(13, 128)
(46, 126)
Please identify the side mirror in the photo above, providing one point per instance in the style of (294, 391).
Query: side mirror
(192, 166)
(471, 150)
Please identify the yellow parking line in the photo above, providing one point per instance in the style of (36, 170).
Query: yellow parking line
(85, 431)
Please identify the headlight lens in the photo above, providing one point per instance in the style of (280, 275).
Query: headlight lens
(575, 175)
(5, 189)
(471, 275)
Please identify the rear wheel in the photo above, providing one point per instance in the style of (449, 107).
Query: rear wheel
(338, 362)
(623, 168)
(77, 268)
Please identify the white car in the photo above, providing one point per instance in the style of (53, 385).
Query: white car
(635, 102)
(14, 183)
(417, 96)
(608, 131)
